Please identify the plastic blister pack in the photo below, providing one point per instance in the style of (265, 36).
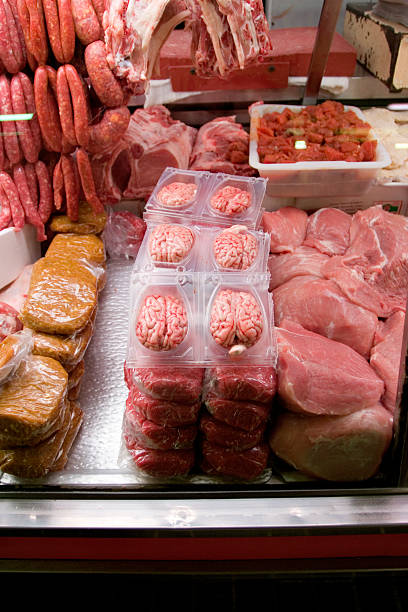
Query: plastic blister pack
(216, 199)
(236, 248)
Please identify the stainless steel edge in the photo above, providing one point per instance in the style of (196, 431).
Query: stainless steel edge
(296, 514)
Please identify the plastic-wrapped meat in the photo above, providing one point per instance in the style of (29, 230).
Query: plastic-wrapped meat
(163, 412)
(162, 323)
(287, 228)
(170, 243)
(182, 385)
(235, 248)
(336, 448)
(236, 319)
(148, 434)
(177, 194)
(328, 231)
(253, 383)
(231, 200)
(123, 234)
(244, 465)
(241, 414)
(224, 435)
(15, 294)
(162, 464)
(303, 261)
(9, 321)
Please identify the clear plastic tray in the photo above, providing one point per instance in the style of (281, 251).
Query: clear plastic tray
(313, 179)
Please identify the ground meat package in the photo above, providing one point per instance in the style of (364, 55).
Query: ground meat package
(206, 198)
(195, 248)
(200, 319)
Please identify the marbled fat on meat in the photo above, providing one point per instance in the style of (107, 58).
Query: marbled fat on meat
(286, 227)
(328, 230)
(304, 261)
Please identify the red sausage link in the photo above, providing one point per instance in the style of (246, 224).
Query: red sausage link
(99, 8)
(87, 181)
(67, 29)
(5, 212)
(46, 202)
(71, 187)
(105, 134)
(53, 28)
(30, 209)
(105, 84)
(58, 185)
(32, 182)
(37, 44)
(10, 191)
(86, 22)
(32, 62)
(80, 105)
(28, 145)
(65, 107)
(14, 9)
(11, 144)
(29, 99)
(14, 58)
(47, 109)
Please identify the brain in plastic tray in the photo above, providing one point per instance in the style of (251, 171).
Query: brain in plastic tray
(170, 243)
(236, 320)
(162, 322)
(177, 194)
(231, 200)
(235, 248)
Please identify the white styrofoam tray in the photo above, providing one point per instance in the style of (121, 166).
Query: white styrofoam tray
(314, 179)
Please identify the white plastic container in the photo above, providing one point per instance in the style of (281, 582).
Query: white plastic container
(313, 179)
(17, 249)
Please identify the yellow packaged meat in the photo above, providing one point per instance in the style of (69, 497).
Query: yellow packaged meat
(51, 454)
(68, 350)
(88, 222)
(62, 296)
(31, 402)
(75, 246)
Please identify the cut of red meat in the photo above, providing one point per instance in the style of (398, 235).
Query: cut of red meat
(175, 195)
(123, 234)
(217, 432)
(235, 248)
(243, 465)
(336, 448)
(9, 321)
(182, 385)
(328, 230)
(170, 243)
(147, 434)
(303, 261)
(321, 376)
(253, 384)
(162, 464)
(287, 228)
(162, 322)
(386, 356)
(319, 306)
(222, 145)
(241, 414)
(163, 412)
(231, 200)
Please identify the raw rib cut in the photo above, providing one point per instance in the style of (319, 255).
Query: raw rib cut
(319, 306)
(222, 145)
(328, 230)
(336, 448)
(287, 228)
(386, 356)
(303, 261)
(321, 376)
(152, 142)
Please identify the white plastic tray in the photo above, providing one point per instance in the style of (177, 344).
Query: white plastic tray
(313, 179)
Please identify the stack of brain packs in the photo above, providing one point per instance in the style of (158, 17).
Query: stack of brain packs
(39, 412)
